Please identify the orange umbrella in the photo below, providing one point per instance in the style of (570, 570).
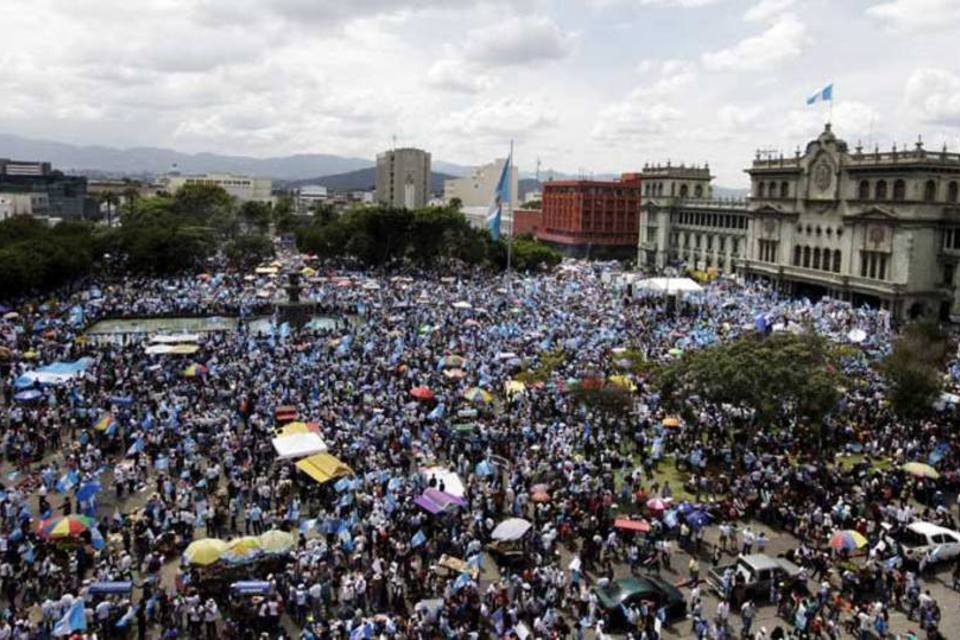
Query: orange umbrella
(422, 394)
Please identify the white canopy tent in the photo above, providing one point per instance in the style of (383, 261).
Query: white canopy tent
(511, 529)
(669, 285)
(298, 445)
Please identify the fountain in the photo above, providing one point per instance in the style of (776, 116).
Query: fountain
(293, 311)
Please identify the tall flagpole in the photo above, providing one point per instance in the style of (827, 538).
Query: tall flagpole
(510, 198)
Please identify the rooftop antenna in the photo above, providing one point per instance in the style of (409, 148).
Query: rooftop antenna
(538, 170)
(394, 142)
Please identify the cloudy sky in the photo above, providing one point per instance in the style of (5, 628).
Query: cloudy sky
(591, 85)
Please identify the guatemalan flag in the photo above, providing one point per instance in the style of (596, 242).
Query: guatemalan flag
(500, 197)
(824, 95)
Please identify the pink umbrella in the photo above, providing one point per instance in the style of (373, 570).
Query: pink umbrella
(656, 504)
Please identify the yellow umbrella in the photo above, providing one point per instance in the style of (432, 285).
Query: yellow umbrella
(308, 272)
(513, 387)
(475, 394)
(204, 551)
(276, 541)
(921, 470)
(623, 382)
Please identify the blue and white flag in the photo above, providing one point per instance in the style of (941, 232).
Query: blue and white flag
(824, 95)
(73, 620)
(418, 539)
(500, 197)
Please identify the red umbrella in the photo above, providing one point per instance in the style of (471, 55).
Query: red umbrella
(636, 526)
(422, 393)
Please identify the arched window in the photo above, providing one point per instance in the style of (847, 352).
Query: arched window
(816, 258)
(864, 191)
(683, 191)
(806, 257)
(760, 190)
(953, 192)
(930, 191)
(899, 191)
(796, 255)
(698, 191)
(881, 190)
(784, 189)
(836, 260)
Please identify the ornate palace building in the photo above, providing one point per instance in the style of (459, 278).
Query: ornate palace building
(862, 226)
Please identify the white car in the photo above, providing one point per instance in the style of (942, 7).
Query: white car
(920, 537)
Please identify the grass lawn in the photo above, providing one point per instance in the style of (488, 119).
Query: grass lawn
(848, 462)
(666, 472)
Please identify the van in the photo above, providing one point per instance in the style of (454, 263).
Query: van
(920, 537)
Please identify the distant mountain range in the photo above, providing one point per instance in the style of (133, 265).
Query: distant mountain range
(337, 173)
(360, 180)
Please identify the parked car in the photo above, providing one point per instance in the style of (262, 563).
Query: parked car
(918, 538)
(752, 576)
(635, 590)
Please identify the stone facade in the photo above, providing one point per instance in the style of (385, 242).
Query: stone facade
(682, 225)
(862, 226)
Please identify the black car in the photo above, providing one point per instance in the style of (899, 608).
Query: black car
(633, 591)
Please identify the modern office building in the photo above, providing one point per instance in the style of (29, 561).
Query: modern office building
(243, 188)
(309, 196)
(590, 218)
(46, 191)
(476, 193)
(867, 227)
(403, 178)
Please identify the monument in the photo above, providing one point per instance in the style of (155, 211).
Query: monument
(293, 311)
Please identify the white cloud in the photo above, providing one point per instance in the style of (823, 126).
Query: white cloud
(685, 4)
(784, 40)
(934, 96)
(634, 118)
(851, 119)
(518, 41)
(738, 118)
(504, 117)
(456, 74)
(766, 9)
(916, 16)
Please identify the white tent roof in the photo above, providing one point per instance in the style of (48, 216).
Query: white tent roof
(175, 338)
(511, 529)
(298, 445)
(670, 285)
(452, 483)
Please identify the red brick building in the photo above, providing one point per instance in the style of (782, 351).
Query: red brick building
(527, 222)
(592, 218)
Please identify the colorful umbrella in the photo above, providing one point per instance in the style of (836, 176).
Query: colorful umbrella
(475, 394)
(671, 422)
(244, 549)
(623, 382)
(452, 361)
(540, 496)
(422, 394)
(204, 551)
(104, 423)
(276, 541)
(195, 370)
(697, 519)
(921, 470)
(848, 540)
(64, 527)
(455, 374)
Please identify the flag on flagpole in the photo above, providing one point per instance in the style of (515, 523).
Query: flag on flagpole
(501, 196)
(824, 95)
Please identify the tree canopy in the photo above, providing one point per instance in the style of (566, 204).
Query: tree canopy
(779, 378)
(913, 370)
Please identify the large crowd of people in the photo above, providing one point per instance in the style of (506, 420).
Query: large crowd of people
(455, 386)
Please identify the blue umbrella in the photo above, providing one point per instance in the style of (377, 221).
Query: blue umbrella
(697, 519)
(28, 396)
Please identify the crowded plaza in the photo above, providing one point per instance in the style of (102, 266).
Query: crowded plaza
(421, 460)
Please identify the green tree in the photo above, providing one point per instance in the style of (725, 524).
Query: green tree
(779, 379)
(256, 215)
(247, 251)
(913, 370)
